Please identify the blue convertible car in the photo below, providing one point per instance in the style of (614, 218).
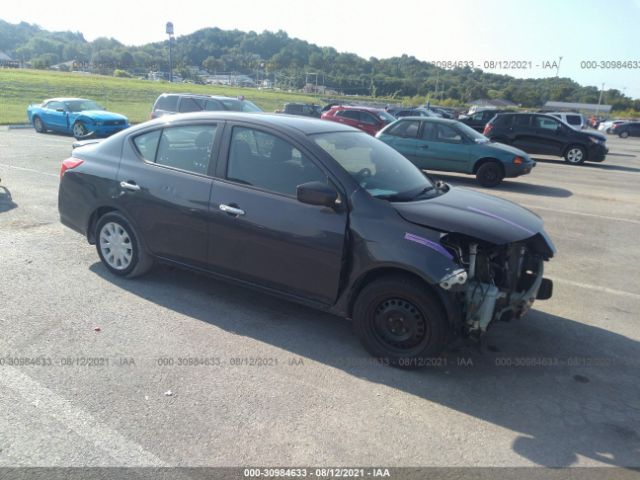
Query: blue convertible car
(76, 116)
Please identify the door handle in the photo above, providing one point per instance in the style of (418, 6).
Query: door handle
(231, 210)
(424, 146)
(129, 186)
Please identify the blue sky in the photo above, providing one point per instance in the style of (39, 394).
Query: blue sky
(536, 31)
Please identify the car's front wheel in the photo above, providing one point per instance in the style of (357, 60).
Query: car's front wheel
(575, 155)
(399, 322)
(79, 130)
(120, 248)
(490, 174)
(38, 124)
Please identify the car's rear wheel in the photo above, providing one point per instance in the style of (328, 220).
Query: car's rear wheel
(120, 248)
(79, 130)
(575, 155)
(38, 124)
(624, 134)
(399, 322)
(490, 174)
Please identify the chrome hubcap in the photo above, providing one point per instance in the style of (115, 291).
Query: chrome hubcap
(574, 155)
(116, 246)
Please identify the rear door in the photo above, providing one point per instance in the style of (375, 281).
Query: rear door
(523, 135)
(260, 232)
(550, 135)
(165, 187)
(403, 137)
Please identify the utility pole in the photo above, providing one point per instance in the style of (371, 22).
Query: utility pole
(599, 101)
(558, 67)
(169, 30)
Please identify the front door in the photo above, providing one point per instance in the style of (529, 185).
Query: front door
(55, 116)
(260, 232)
(442, 147)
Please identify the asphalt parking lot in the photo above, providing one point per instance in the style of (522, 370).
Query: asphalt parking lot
(118, 385)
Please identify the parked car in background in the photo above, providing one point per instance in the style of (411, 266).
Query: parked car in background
(547, 135)
(442, 111)
(480, 118)
(626, 129)
(367, 119)
(302, 109)
(451, 146)
(608, 125)
(400, 112)
(575, 120)
(76, 116)
(171, 103)
(317, 213)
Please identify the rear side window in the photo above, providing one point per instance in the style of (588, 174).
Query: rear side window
(147, 144)
(190, 104)
(168, 103)
(186, 148)
(573, 120)
(545, 123)
(405, 129)
(353, 115)
(521, 120)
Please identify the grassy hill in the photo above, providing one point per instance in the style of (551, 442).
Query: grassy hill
(133, 98)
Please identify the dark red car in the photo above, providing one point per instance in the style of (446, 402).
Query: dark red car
(367, 119)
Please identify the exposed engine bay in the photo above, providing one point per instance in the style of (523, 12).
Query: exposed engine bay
(496, 282)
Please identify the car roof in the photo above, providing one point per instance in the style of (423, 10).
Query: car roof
(358, 107)
(66, 99)
(292, 123)
(201, 95)
(446, 121)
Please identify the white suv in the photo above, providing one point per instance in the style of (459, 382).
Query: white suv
(575, 120)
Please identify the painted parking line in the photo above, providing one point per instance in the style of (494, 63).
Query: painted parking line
(584, 214)
(28, 170)
(598, 288)
(47, 402)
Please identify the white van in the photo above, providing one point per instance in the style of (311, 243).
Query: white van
(576, 120)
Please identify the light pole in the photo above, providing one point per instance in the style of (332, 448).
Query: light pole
(599, 101)
(169, 30)
(558, 67)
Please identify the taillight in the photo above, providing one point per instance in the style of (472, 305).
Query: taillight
(69, 164)
(487, 128)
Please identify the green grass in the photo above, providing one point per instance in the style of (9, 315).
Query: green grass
(131, 97)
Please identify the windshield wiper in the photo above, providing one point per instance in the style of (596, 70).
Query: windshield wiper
(405, 196)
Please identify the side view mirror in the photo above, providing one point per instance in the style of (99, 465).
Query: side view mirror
(317, 193)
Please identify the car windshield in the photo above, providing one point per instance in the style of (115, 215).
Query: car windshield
(240, 105)
(386, 117)
(378, 168)
(471, 133)
(82, 105)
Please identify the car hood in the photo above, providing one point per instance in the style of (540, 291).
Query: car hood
(505, 148)
(474, 214)
(593, 133)
(102, 115)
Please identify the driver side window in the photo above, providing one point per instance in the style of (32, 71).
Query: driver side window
(446, 134)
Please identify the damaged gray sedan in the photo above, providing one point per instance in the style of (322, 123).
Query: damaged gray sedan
(314, 212)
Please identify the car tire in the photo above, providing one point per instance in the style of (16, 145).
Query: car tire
(79, 130)
(38, 124)
(120, 248)
(575, 155)
(624, 134)
(490, 174)
(400, 322)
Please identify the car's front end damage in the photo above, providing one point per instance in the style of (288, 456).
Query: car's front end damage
(496, 249)
(496, 282)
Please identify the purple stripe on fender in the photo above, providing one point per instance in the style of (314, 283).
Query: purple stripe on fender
(502, 219)
(428, 243)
